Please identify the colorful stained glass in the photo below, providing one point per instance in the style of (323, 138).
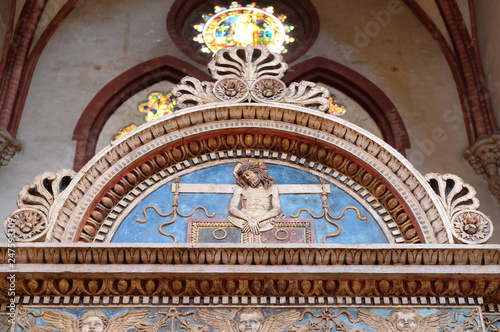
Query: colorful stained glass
(157, 106)
(336, 108)
(123, 131)
(238, 25)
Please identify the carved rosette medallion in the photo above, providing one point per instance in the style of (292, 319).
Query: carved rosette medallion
(268, 90)
(470, 226)
(29, 225)
(30, 221)
(460, 202)
(249, 74)
(231, 89)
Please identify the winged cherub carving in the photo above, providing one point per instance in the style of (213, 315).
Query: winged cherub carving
(91, 321)
(249, 320)
(405, 320)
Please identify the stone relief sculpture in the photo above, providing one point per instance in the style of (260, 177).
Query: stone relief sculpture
(249, 74)
(174, 213)
(168, 319)
(468, 225)
(250, 209)
(405, 320)
(258, 195)
(35, 201)
(249, 320)
(91, 321)
(492, 323)
(5, 325)
(246, 86)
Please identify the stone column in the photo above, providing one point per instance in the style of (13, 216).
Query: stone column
(484, 157)
(8, 146)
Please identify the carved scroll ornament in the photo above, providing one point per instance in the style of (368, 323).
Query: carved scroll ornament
(249, 74)
(34, 203)
(459, 199)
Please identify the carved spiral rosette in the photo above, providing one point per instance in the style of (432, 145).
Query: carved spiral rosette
(29, 225)
(249, 63)
(453, 192)
(255, 71)
(471, 227)
(35, 202)
(231, 89)
(459, 200)
(268, 90)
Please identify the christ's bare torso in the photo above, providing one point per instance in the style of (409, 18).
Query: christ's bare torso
(256, 201)
(259, 208)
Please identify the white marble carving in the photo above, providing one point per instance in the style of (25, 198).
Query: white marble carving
(246, 74)
(459, 199)
(35, 201)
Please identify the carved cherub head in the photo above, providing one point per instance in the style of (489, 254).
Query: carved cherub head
(249, 319)
(93, 321)
(406, 320)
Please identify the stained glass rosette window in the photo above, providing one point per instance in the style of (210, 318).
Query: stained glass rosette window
(156, 106)
(240, 26)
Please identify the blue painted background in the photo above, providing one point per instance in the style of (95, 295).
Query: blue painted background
(354, 231)
(190, 314)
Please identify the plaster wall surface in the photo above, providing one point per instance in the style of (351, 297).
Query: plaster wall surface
(488, 26)
(382, 40)
(98, 41)
(128, 113)
(400, 56)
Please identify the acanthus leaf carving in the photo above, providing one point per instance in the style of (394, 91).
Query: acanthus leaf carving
(459, 200)
(35, 201)
(308, 94)
(484, 158)
(191, 92)
(249, 63)
(246, 74)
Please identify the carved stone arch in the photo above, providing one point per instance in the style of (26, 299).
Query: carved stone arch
(161, 147)
(394, 232)
(117, 91)
(360, 89)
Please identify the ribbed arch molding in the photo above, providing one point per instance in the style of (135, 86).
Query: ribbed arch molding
(173, 142)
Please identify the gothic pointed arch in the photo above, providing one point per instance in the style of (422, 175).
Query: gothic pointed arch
(333, 221)
(360, 89)
(249, 115)
(117, 91)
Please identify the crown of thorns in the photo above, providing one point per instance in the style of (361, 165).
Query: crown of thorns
(245, 167)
